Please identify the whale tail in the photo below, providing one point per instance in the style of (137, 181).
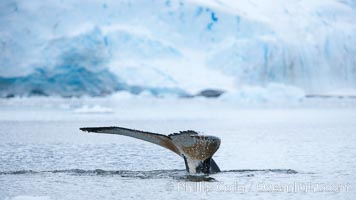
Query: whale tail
(196, 150)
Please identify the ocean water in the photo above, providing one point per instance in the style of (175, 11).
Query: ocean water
(298, 152)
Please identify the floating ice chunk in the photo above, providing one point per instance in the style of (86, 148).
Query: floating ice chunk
(342, 92)
(122, 95)
(272, 93)
(92, 110)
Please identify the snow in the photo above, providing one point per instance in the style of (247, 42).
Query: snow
(176, 47)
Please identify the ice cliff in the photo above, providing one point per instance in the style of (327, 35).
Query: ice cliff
(75, 48)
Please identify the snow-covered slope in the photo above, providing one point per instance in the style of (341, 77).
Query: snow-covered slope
(178, 46)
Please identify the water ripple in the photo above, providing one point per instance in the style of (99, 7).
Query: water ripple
(154, 174)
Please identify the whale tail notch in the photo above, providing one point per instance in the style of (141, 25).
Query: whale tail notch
(196, 150)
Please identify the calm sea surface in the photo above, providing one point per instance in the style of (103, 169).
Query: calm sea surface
(289, 153)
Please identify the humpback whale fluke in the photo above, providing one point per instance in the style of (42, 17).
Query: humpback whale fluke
(196, 150)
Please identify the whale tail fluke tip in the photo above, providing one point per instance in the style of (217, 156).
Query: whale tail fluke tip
(87, 129)
(94, 129)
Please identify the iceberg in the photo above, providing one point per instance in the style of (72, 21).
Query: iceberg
(64, 81)
(178, 47)
(73, 67)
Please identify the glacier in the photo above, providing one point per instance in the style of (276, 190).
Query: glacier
(77, 48)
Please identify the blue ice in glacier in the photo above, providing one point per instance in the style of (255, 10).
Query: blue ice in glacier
(75, 48)
(75, 66)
